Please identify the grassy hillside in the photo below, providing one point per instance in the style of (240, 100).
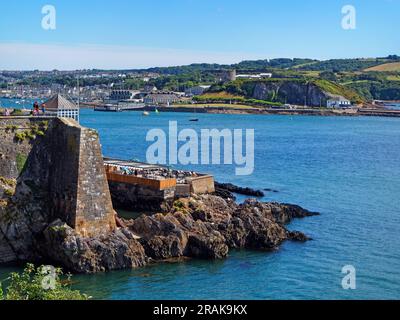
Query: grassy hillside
(337, 89)
(343, 65)
(229, 98)
(387, 67)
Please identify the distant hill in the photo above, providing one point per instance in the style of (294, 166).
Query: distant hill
(343, 65)
(298, 64)
(387, 67)
(247, 65)
(280, 63)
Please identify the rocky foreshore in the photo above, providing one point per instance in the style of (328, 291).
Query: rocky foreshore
(205, 227)
(56, 208)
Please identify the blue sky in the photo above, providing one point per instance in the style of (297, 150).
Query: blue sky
(135, 33)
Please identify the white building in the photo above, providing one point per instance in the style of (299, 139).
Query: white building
(248, 76)
(266, 75)
(338, 102)
(61, 107)
(254, 76)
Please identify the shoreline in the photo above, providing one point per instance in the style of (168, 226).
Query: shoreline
(289, 112)
(243, 109)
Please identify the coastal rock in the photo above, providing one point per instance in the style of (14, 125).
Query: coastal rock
(298, 236)
(204, 227)
(227, 189)
(284, 213)
(55, 207)
(178, 234)
(271, 190)
(207, 226)
(116, 250)
(293, 92)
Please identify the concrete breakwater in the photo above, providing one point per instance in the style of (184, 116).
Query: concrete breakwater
(56, 207)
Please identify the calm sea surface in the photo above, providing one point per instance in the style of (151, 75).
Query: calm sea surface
(347, 168)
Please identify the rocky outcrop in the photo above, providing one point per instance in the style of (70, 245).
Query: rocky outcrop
(204, 227)
(226, 190)
(111, 251)
(293, 92)
(57, 210)
(208, 226)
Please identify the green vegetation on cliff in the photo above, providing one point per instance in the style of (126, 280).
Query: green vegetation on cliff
(337, 89)
(227, 98)
(21, 162)
(374, 85)
(277, 91)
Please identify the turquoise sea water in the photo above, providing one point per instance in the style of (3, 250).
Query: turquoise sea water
(347, 168)
(22, 103)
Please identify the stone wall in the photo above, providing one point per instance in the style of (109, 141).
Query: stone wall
(202, 184)
(135, 197)
(11, 152)
(139, 197)
(62, 178)
(95, 211)
(82, 199)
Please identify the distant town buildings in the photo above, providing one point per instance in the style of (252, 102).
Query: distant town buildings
(149, 89)
(160, 98)
(118, 95)
(196, 91)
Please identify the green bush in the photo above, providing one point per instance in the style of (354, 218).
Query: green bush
(20, 136)
(11, 128)
(8, 182)
(40, 283)
(30, 135)
(179, 206)
(9, 192)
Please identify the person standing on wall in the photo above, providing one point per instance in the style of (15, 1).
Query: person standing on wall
(35, 111)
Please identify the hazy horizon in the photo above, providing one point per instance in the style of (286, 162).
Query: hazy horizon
(161, 65)
(135, 34)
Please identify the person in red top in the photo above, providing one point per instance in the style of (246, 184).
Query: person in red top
(35, 109)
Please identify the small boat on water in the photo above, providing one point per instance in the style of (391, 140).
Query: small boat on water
(145, 113)
(194, 119)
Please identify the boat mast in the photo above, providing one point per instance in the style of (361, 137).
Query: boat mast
(77, 79)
